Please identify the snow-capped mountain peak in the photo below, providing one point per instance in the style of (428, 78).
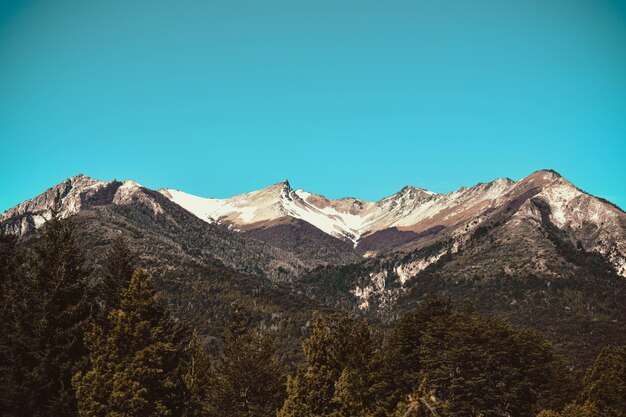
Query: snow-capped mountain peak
(346, 218)
(412, 216)
(273, 203)
(410, 210)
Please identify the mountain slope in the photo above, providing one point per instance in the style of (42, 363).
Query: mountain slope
(203, 270)
(149, 212)
(539, 251)
(540, 259)
(276, 215)
(415, 218)
(306, 230)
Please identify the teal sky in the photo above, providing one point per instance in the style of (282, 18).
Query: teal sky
(341, 97)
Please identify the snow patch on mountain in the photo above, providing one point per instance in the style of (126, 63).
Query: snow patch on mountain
(298, 208)
(269, 204)
(212, 209)
(349, 218)
(588, 221)
(327, 219)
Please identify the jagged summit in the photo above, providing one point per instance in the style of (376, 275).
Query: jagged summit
(79, 176)
(549, 171)
(279, 186)
(70, 196)
(415, 190)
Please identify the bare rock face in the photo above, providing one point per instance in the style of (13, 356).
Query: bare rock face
(73, 195)
(541, 227)
(67, 198)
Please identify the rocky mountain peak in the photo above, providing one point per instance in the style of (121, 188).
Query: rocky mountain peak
(70, 196)
(411, 190)
(277, 189)
(413, 214)
(542, 177)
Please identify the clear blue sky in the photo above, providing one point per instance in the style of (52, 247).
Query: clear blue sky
(342, 97)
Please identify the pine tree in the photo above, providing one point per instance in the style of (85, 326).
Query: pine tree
(94, 387)
(605, 382)
(49, 310)
(604, 388)
(248, 380)
(134, 367)
(341, 375)
(480, 365)
(120, 264)
(198, 379)
(15, 339)
(402, 347)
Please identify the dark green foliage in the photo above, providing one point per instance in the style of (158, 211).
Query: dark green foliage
(203, 298)
(466, 364)
(484, 366)
(11, 258)
(248, 380)
(604, 389)
(435, 360)
(587, 409)
(341, 373)
(49, 309)
(120, 264)
(605, 383)
(134, 368)
(402, 347)
(198, 379)
(14, 337)
(179, 250)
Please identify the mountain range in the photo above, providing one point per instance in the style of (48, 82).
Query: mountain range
(539, 250)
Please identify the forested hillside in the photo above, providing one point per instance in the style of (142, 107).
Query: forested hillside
(87, 335)
(539, 252)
